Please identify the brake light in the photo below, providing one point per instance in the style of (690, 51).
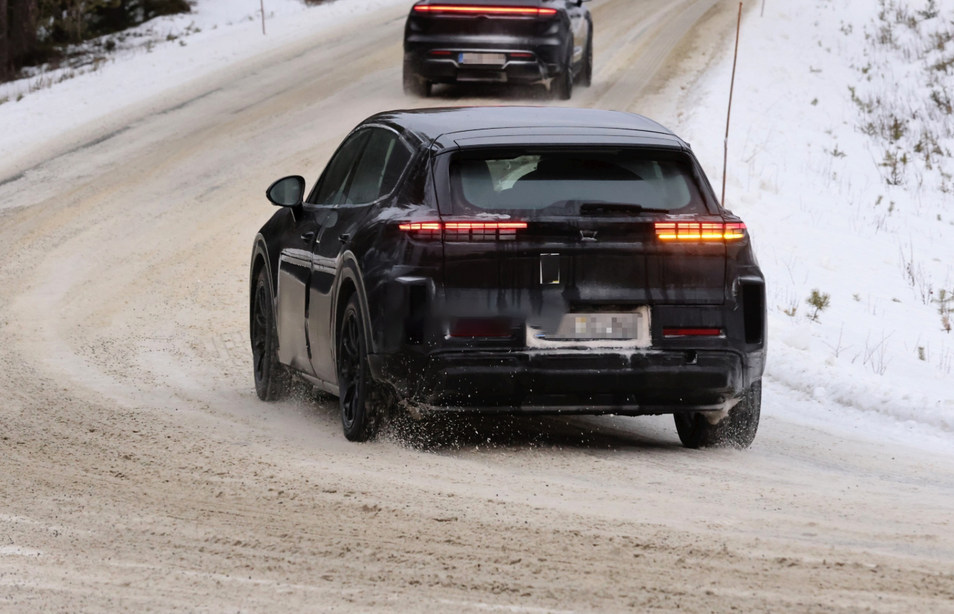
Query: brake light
(527, 11)
(464, 231)
(700, 231)
(692, 332)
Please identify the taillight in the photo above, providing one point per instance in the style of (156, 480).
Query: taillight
(700, 231)
(464, 231)
(463, 9)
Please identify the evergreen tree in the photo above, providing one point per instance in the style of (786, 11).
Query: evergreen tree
(32, 30)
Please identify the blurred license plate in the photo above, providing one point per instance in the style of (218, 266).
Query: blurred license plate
(491, 59)
(626, 325)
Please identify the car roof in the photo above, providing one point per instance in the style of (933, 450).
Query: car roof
(456, 127)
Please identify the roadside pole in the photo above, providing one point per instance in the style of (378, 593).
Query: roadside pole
(728, 116)
(262, 3)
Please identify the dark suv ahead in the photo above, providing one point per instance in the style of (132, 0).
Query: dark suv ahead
(512, 259)
(498, 41)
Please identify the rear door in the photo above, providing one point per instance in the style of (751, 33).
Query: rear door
(372, 177)
(579, 27)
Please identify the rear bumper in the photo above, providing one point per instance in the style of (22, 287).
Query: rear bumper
(449, 70)
(544, 63)
(621, 382)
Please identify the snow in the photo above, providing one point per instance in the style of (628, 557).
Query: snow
(826, 96)
(812, 188)
(180, 48)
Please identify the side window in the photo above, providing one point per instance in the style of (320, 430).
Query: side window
(338, 174)
(380, 167)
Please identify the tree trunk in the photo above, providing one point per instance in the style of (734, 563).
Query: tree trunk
(21, 31)
(6, 66)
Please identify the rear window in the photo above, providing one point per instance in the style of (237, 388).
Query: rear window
(562, 182)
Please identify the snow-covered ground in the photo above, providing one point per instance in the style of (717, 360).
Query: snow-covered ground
(839, 163)
(813, 181)
(156, 57)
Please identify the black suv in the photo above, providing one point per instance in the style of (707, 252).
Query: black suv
(512, 259)
(498, 41)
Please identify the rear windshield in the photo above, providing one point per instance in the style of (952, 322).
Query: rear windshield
(562, 182)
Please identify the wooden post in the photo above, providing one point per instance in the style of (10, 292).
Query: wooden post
(728, 116)
(262, 3)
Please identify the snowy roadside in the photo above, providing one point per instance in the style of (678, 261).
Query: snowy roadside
(810, 179)
(158, 56)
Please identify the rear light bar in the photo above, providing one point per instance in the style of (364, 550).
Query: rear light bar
(484, 10)
(464, 231)
(700, 231)
(692, 332)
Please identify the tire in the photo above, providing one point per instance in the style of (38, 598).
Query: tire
(586, 71)
(414, 85)
(564, 81)
(356, 390)
(736, 430)
(272, 378)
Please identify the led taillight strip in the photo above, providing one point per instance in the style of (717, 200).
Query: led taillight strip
(485, 225)
(484, 10)
(423, 226)
(700, 231)
(464, 231)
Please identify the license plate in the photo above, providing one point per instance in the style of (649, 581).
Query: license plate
(485, 59)
(617, 329)
(599, 326)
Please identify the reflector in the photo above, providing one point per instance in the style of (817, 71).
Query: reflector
(481, 327)
(692, 332)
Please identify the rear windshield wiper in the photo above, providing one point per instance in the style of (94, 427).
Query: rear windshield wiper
(598, 208)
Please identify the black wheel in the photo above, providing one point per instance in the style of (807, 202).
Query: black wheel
(564, 81)
(359, 414)
(271, 377)
(586, 71)
(736, 430)
(414, 85)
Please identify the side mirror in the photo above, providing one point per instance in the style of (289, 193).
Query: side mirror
(287, 191)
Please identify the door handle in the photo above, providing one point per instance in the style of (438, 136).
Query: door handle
(344, 238)
(307, 237)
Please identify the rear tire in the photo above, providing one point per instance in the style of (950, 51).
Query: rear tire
(736, 430)
(586, 71)
(564, 81)
(360, 413)
(272, 379)
(414, 85)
